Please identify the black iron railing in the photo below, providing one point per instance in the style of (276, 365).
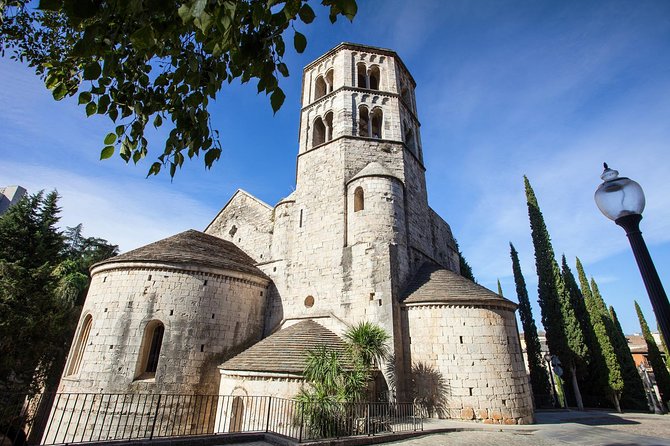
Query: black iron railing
(95, 417)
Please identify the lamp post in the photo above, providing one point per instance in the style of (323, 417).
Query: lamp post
(622, 200)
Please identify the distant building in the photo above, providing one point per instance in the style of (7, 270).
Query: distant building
(10, 195)
(638, 348)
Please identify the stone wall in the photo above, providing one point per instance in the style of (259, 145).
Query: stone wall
(468, 362)
(207, 315)
(247, 222)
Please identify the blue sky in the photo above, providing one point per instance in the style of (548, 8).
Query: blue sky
(549, 89)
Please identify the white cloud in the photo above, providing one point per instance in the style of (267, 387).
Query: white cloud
(127, 212)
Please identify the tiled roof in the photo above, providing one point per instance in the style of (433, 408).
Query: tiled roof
(194, 248)
(286, 350)
(433, 283)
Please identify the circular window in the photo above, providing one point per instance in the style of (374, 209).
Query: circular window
(309, 301)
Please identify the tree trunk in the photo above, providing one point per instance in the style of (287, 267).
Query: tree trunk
(575, 387)
(615, 397)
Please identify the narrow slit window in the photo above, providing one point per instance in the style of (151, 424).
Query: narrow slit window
(359, 199)
(329, 81)
(329, 126)
(320, 88)
(80, 348)
(377, 120)
(362, 75)
(150, 350)
(319, 134)
(155, 349)
(373, 78)
(363, 122)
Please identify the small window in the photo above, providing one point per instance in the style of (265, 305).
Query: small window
(150, 350)
(359, 199)
(329, 81)
(319, 88)
(329, 125)
(80, 347)
(373, 78)
(362, 75)
(319, 135)
(377, 120)
(363, 121)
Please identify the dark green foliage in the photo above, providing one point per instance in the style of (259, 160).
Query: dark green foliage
(41, 279)
(34, 318)
(539, 378)
(663, 344)
(655, 360)
(600, 329)
(633, 396)
(336, 379)
(143, 62)
(500, 292)
(564, 335)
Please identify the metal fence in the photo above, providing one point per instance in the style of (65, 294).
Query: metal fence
(88, 417)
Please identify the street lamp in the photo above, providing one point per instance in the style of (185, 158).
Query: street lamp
(622, 200)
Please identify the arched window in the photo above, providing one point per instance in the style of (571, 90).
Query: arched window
(329, 125)
(319, 88)
(359, 199)
(409, 138)
(236, 415)
(319, 134)
(363, 121)
(377, 120)
(80, 346)
(150, 350)
(362, 75)
(329, 81)
(373, 78)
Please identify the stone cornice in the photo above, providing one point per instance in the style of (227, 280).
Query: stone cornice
(168, 267)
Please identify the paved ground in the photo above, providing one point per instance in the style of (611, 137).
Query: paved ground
(589, 428)
(553, 428)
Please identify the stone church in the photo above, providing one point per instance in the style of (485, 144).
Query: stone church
(234, 309)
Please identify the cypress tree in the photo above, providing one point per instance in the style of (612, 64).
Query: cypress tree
(633, 395)
(499, 288)
(564, 335)
(465, 268)
(655, 360)
(539, 379)
(603, 330)
(594, 377)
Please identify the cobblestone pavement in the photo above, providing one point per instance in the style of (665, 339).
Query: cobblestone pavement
(478, 438)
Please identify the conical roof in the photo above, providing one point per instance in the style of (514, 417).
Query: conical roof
(286, 350)
(435, 284)
(374, 169)
(193, 248)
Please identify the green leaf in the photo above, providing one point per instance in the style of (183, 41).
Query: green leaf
(59, 92)
(107, 152)
(143, 38)
(299, 42)
(306, 14)
(210, 156)
(283, 69)
(91, 108)
(277, 99)
(120, 129)
(84, 97)
(110, 138)
(184, 12)
(92, 71)
(154, 169)
(158, 121)
(349, 8)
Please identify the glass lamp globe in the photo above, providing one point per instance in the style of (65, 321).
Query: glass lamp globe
(618, 196)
